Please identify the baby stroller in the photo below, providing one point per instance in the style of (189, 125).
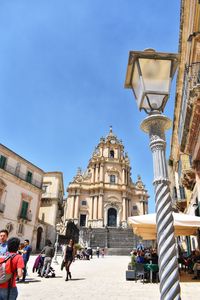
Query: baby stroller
(38, 265)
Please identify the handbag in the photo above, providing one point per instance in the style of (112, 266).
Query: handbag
(62, 265)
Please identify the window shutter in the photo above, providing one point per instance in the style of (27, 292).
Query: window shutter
(24, 210)
(2, 161)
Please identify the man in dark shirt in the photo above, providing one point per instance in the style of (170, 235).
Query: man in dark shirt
(48, 250)
(26, 252)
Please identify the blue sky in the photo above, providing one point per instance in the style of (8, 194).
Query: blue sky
(62, 72)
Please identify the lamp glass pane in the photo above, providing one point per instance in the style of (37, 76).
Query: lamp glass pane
(137, 84)
(155, 74)
(155, 101)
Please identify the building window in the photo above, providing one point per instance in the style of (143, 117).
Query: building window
(2, 162)
(21, 229)
(112, 179)
(82, 220)
(84, 202)
(24, 210)
(44, 187)
(135, 207)
(112, 154)
(182, 192)
(29, 177)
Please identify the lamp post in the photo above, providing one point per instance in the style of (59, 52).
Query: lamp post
(149, 75)
(56, 243)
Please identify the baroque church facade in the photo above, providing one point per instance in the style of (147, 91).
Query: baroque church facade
(105, 195)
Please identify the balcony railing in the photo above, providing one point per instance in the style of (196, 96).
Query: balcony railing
(15, 171)
(190, 82)
(27, 217)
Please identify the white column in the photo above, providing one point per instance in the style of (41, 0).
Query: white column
(93, 175)
(91, 208)
(101, 172)
(123, 175)
(95, 208)
(73, 206)
(76, 212)
(96, 173)
(100, 207)
(123, 209)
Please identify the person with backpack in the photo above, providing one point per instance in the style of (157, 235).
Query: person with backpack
(3, 241)
(11, 267)
(48, 250)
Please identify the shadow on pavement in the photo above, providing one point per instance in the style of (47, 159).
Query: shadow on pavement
(75, 279)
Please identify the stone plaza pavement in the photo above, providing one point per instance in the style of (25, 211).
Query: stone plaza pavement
(99, 278)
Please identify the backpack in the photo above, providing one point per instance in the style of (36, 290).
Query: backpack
(6, 271)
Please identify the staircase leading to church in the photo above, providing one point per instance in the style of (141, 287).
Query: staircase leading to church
(117, 241)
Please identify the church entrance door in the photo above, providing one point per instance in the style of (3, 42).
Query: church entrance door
(112, 217)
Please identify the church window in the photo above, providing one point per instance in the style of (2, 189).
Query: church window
(112, 179)
(84, 202)
(112, 154)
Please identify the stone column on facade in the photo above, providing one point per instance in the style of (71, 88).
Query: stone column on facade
(156, 125)
(123, 175)
(101, 172)
(91, 208)
(70, 207)
(96, 173)
(76, 210)
(95, 208)
(72, 211)
(93, 174)
(129, 207)
(123, 209)
(100, 207)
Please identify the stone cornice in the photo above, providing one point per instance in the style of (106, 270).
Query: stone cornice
(20, 182)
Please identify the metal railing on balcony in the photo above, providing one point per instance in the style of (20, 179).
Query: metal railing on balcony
(190, 82)
(15, 171)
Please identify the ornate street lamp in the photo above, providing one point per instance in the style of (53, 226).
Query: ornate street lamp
(149, 75)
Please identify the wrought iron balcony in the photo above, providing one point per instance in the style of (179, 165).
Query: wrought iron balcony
(191, 82)
(15, 171)
(27, 217)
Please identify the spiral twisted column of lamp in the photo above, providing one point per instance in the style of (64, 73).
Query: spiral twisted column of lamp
(156, 125)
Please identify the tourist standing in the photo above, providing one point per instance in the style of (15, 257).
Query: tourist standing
(26, 252)
(97, 252)
(49, 251)
(3, 241)
(69, 256)
(8, 290)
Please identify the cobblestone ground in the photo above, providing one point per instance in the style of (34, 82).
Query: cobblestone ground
(102, 278)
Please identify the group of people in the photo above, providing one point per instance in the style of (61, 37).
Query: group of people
(144, 256)
(191, 262)
(11, 250)
(87, 253)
